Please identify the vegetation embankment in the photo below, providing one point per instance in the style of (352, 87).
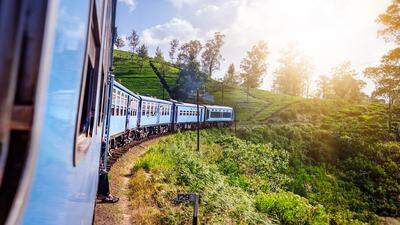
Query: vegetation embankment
(316, 162)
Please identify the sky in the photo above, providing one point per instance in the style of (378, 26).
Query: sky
(328, 32)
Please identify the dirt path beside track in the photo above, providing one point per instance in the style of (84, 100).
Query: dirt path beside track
(120, 213)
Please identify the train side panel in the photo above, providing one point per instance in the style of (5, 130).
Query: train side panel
(66, 174)
(187, 113)
(165, 113)
(150, 112)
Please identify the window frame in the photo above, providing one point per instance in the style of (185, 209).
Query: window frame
(82, 140)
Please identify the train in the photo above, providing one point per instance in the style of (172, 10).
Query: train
(135, 117)
(59, 102)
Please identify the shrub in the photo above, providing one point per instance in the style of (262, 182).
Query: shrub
(289, 208)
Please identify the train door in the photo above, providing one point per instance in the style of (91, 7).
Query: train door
(128, 111)
(158, 105)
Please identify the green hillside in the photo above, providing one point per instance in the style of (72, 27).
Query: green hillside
(145, 81)
(256, 108)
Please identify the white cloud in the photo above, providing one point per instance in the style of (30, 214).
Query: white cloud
(207, 9)
(130, 3)
(160, 35)
(181, 3)
(164, 33)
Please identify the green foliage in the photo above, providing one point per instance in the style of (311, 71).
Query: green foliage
(176, 163)
(341, 155)
(289, 208)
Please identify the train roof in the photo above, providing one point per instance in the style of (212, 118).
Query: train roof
(188, 104)
(122, 87)
(218, 107)
(151, 99)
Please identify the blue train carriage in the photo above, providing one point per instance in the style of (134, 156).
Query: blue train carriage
(155, 116)
(54, 65)
(124, 110)
(185, 115)
(219, 115)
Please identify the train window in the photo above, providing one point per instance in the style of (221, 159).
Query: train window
(88, 93)
(113, 96)
(113, 102)
(118, 98)
(215, 114)
(227, 115)
(134, 107)
(102, 100)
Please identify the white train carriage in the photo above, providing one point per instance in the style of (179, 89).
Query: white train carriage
(215, 113)
(124, 109)
(154, 112)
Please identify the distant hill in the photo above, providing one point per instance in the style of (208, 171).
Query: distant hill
(145, 81)
(259, 105)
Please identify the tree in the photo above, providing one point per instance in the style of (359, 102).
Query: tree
(324, 87)
(293, 74)
(231, 77)
(143, 53)
(391, 22)
(211, 57)
(190, 77)
(159, 55)
(188, 53)
(173, 47)
(254, 66)
(344, 84)
(387, 75)
(133, 42)
(387, 80)
(119, 43)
